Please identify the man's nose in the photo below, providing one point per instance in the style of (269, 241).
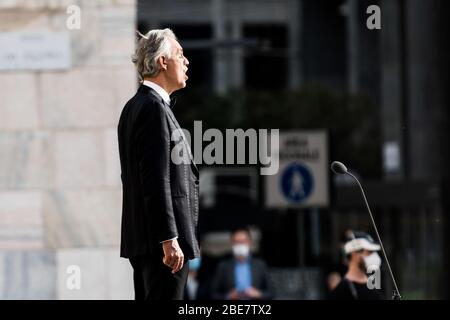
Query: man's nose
(186, 61)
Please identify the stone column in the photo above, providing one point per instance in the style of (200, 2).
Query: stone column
(428, 94)
(219, 35)
(393, 85)
(295, 39)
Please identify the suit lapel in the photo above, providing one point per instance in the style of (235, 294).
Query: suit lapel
(186, 144)
(177, 126)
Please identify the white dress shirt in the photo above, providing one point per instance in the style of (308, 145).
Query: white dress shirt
(159, 90)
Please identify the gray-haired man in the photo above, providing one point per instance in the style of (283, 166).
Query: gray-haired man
(160, 197)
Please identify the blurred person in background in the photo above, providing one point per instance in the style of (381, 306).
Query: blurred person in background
(242, 277)
(361, 253)
(160, 197)
(192, 280)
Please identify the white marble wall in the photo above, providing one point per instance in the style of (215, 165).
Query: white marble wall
(101, 275)
(27, 274)
(21, 224)
(82, 218)
(60, 192)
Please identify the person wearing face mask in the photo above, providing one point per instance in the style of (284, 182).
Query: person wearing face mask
(243, 277)
(362, 255)
(192, 280)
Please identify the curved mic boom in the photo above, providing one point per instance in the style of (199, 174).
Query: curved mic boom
(339, 168)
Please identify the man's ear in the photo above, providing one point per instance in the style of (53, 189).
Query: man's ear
(163, 62)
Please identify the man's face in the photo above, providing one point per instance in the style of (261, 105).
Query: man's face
(177, 67)
(241, 237)
(241, 245)
(359, 257)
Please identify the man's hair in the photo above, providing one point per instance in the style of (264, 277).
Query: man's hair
(150, 48)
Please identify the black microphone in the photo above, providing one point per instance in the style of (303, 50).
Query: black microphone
(339, 168)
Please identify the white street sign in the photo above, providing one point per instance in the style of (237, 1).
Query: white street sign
(302, 178)
(43, 50)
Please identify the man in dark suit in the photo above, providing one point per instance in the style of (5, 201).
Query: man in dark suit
(242, 277)
(159, 177)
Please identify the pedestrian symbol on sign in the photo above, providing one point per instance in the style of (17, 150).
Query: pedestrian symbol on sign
(296, 183)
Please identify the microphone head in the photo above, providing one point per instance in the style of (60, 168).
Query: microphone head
(338, 167)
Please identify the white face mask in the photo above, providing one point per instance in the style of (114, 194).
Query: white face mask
(373, 260)
(241, 250)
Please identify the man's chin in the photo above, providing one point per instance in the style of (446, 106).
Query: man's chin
(180, 86)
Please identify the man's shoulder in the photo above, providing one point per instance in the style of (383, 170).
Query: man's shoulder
(341, 291)
(258, 262)
(255, 261)
(226, 263)
(145, 96)
(144, 102)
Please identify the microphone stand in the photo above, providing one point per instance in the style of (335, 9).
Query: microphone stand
(396, 293)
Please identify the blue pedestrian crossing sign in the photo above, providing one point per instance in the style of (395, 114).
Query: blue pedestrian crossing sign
(303, 174)
(297, 182)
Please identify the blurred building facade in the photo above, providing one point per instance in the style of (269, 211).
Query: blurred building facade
(60, 193)
(223, 39)
(402, 69)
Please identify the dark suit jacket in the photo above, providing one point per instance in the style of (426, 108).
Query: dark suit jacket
(224, 282)
(160, 198)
